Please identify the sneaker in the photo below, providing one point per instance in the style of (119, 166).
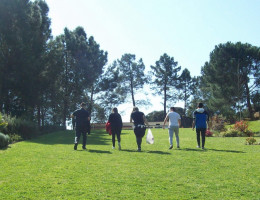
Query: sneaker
(203, 148)
(171, 147)
(84, 148)
(198, 146)
(119, 146)
(113, 147)
(75, 146)
(139, 150)
(178, 147)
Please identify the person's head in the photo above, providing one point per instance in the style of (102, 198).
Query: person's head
(135, 109)
(200, 105)
(83, 105)
(172, 109)
(114, 110)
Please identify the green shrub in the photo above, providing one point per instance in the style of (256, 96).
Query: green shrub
(15, 138)
(26, 129)
(240, 129)
(230, 133)
(4, 140)
(250, 140)
(217, 124)
(3, 123)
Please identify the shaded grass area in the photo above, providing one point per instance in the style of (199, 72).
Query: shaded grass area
(255, 126)
(49, 168)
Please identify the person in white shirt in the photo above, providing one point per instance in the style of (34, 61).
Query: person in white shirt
(174, 124)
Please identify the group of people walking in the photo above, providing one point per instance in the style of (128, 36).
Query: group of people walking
(82, 125)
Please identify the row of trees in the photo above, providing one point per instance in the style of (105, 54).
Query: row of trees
(44, 78)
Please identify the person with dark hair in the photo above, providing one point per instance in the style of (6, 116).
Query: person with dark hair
(174, 124)
(200, 121)
(81, 117)
(116, 124)
(139, 120)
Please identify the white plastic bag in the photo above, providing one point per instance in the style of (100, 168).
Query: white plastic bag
(149, 137)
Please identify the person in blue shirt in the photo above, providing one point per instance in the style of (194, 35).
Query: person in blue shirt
(200, 121)
(82, 118)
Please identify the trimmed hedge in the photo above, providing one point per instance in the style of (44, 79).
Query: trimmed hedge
(4, 140)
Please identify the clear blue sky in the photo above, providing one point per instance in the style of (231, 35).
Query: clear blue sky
(187, 30)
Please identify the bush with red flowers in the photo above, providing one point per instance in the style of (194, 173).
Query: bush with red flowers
(209, 133)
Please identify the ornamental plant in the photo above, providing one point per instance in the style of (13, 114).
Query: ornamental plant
(242, 128)
(250, 140)
(209, 133)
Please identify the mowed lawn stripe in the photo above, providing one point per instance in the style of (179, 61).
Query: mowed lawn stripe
(49, 168)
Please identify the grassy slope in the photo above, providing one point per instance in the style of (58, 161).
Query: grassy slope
(49, 168)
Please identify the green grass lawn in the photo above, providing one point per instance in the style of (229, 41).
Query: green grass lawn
(49, 168)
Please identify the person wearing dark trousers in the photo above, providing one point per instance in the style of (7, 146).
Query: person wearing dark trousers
(200, 121)
(81, 117)
(116, 127)
(139, 120)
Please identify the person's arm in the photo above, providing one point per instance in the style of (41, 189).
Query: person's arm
(179, 121)
(121, 122)
(165, 120)
(145, 120)
(193, 124)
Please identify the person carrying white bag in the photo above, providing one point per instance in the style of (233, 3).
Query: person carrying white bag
(138, 118)
(149, 137)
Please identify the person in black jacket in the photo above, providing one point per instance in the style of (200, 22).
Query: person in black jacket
(116, 127)
(138, 118)
(82, 118)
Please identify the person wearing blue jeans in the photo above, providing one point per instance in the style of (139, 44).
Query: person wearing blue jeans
(200, 121)
(174, 124)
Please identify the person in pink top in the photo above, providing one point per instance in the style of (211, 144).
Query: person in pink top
(174, 124)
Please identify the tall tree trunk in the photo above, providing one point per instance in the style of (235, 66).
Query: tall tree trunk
(65, 105)
(249, 106)
(91, 100)
(132, 93)
(38, 116)
(43, 117)
(185, 99)
(165, 99)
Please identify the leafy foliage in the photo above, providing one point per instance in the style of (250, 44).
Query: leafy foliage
(185, 86)
(240, 129)
(131, 74)
(209, 133)
(231, 77)
(4, 140)
(17, 126)
(250, 140)
(165, 78)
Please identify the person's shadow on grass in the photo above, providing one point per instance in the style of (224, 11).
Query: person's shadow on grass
(94, 151)
(228, 151)
(156, 152)
(205, 150)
